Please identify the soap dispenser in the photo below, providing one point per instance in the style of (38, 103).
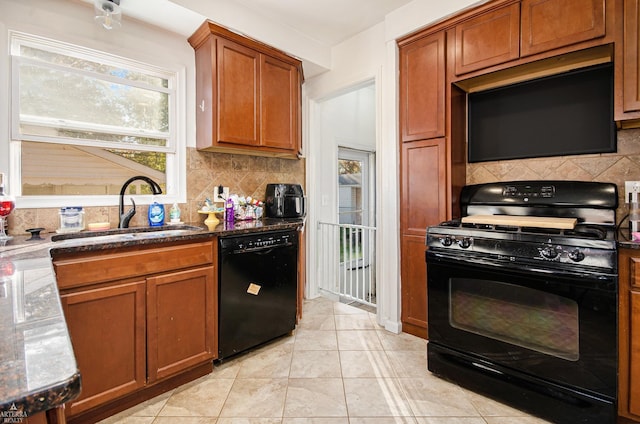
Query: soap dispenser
(156, 214)
(174, 214)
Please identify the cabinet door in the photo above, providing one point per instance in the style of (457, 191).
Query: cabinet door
(238, 94)
(629, 334)
(107, 328)
(181, 321)
(423, 200)
(634, 353)
(414, 286)
(489, 39)
(279, 99)
(424, 182)
(550, 24)
(422, 88)
(631, 54)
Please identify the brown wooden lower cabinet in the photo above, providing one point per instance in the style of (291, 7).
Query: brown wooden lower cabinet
(629, 335)
(634, 353)
(143, 332)
(414, 286)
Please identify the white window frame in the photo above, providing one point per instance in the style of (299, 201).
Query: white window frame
(367, 158)
(176, 140)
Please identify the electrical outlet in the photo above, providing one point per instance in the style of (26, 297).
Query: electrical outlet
(631, 187)
(220, 197)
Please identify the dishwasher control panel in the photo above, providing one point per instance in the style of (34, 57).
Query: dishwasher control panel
(259, 241)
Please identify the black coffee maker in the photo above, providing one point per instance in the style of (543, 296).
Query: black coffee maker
(284, 201)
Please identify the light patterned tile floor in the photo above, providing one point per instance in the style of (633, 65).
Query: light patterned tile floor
(339, 367)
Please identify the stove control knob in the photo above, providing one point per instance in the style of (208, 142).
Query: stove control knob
(446, 241)
(576, 255)
(549, 252)
(465, 242)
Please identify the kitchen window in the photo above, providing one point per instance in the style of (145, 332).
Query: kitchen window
(84, 121)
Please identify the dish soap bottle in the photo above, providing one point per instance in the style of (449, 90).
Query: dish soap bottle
(174, 213)
(156, 214)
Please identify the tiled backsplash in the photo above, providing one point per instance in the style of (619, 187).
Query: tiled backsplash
(244, 175)
(249, 175)
(624, 165)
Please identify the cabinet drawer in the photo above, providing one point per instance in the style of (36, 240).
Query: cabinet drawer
(114, 265)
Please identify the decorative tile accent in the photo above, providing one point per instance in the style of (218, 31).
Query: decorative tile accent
(624, 165)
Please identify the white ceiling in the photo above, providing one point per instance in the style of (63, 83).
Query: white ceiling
(328, 22)
(306, 29)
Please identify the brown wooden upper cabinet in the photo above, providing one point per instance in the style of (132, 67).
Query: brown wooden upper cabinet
(526, 28)
(550, 24)
(422, 83)
(247, 94)
(489, 39)
(628, 53)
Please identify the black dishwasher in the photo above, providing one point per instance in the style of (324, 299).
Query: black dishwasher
(257, 298)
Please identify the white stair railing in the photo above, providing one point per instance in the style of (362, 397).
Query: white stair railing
(346, 261)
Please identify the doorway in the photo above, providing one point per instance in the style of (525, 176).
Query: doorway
(344, 180)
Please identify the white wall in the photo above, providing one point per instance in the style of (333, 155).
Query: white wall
(373, 54)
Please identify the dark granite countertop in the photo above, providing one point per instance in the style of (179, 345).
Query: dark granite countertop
(38, 370)
(624, 240)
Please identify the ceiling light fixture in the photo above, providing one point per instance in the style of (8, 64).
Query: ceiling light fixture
(108, 13)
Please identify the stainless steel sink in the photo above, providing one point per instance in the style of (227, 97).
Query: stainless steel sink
(127, 234)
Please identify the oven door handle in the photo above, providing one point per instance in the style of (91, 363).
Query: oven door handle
(602, 281)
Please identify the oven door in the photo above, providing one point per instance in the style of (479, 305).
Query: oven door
(557, 327)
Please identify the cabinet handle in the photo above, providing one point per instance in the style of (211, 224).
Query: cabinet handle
(201, 106)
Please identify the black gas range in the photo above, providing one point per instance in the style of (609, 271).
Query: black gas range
(522, 297)
(565, 225)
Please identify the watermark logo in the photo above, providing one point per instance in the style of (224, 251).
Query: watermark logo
(13, 415)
